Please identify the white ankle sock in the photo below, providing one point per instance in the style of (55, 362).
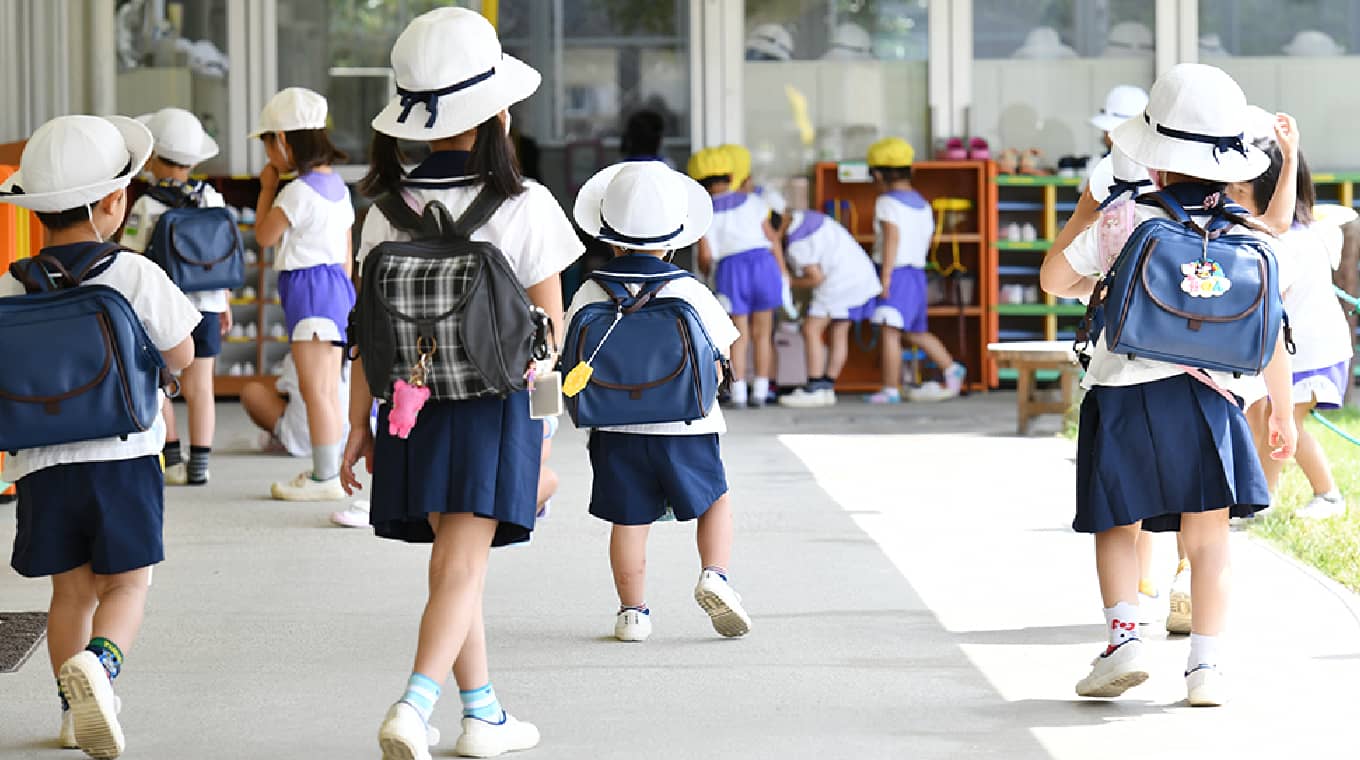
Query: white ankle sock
(1121, 623)
(739, 391)
(761, 388)
(1204, 650)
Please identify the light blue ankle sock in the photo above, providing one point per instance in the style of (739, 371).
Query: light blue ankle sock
(482, 704)
(421, 693)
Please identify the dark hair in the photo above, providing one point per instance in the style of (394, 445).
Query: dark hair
(171, 164)
(642, 134)
(716, 179)
(61, 220)
(492, 161)
(1263, 187)
(891, 174)
(310, 148)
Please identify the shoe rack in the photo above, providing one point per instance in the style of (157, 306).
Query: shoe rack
(962, 320)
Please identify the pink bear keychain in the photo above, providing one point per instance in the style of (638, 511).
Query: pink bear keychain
(409, 397)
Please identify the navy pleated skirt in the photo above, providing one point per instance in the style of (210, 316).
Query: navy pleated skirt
(480, 456)
(1155, 451)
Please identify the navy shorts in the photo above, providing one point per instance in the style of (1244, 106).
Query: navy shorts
(637, 476)
(108, 515)
(208, 336)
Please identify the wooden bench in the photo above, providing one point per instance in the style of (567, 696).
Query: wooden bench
(1027, 358)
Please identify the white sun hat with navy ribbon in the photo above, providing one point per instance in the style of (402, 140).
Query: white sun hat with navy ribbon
(1116, 176)
(1193, 125)
(73, 161)
(643, 206)
(1123, 102)
(451, 77)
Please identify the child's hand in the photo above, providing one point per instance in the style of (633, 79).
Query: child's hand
(224, 321)
(269, 177)
(1284, 435)
(886, 291)
(1287, 134)
(358, 446)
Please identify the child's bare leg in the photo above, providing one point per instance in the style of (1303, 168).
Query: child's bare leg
(547, 479)
(168, 412)
(1117, 565)
(318, 365)
(462, 545)
(122, 604)
(628, 560)
(1145, 562)
(934, 349)
(196, 383)
(263, 405)
(1206, 543)
(815, 350)
(739, 347)
(890, 356)
(715, 534)
(70, 616)
(840, 348)
(762, 333)
(1258, 415)
(1310, 456)
(470, 670)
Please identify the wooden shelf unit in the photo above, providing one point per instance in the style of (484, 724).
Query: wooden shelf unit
(965, 331)
(1044, 202)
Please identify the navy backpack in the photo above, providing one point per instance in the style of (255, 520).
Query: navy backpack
(200, 248)
(1190, 295)
(89, 370)
(653, 359)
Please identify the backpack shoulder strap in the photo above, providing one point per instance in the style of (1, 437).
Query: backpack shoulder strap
(36, 274)
(399, 213)
(169, 196)
(1172, 207)
(615, 285)
(483, 207)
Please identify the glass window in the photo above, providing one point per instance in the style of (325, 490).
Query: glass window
(1042, 69)
(1270, 51)
(850, 70)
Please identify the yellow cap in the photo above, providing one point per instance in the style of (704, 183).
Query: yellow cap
(710, 162)
(741, 162)
(892, 152)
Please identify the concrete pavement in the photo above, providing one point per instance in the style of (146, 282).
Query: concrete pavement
(916, 593)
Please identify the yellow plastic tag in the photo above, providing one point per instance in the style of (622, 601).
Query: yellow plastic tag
(577, 379)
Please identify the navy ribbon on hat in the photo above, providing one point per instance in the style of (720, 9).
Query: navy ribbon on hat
(1221, 144)
(1120, 187)
(609, 233)
(430, 98)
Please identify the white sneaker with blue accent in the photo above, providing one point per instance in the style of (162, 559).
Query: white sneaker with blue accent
(404, 735)
(483, 739)
(632, 625)
(1205, 686)
(1115, 671)
(723, 605)
(94, 708)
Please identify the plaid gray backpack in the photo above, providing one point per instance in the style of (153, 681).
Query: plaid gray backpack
(444, 309)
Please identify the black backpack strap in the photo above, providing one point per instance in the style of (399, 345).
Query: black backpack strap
(169, 196)
(483, 207)
(399, 213)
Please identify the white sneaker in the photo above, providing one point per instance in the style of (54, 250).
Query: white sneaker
(1205, 686)
(404, 735)
(354, 517)
(722, 604)
(931, 391)
(482, 739)
(802, 398)
(303, 488)
(632, 625)
(1323, 506)
(67, 737)
(1114, 673)
(94, 708)
(1178, 617)
(177, 474)
(1149, 608)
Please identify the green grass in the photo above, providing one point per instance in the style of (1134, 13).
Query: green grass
(1332, 546)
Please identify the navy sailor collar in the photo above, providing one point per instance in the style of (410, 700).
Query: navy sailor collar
(441, 170)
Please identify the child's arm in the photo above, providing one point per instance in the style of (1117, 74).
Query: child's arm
(812, 277)
(180, 356)
(889, 232)
(1279, 215)
(776, 246)
(1284, 435)
(349, 252)
(547, 295)
(705, 257)
(359, 446)
(270, 222)
(1057, 276)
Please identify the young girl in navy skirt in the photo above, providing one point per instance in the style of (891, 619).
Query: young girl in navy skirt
(309, 221)
(1161, 448)
(467, 477)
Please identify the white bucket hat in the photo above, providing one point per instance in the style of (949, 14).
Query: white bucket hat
(850, 43)
(1043, 43)
(179, 136)
(772, 41)
(291, 109)
(1310, 43)
(1129, 39)
(1259, 124)
(1123, 102)
(1117, 174)
(451, 77)
(644, 206)
(73, 161)
(1194, 125)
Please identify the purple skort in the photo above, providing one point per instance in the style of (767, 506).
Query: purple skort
(321, 292)
(749, 282)
(905, 306)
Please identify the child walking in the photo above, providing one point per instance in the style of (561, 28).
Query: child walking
(646, 211)
(90, 513)
(903, 228)
(181, 144)
(1161, 447)
(467, 477)
(309, 221)
(829, 260)
(741, 252)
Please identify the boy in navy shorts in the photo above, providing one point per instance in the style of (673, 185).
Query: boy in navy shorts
(641, 470)
(90, 513)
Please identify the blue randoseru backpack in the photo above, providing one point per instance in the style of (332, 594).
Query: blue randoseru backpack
(1190, 295)
(659, 363)
(87, 370)
(200, 248)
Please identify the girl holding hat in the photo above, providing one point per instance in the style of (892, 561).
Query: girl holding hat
(466, 478)
(181, 144)
(904, 226)
(309, 221)
(741, 252)
(1161, 448)
(645, 211)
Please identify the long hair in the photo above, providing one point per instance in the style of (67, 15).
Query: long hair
(1263, 187)
(385, 170)
(492, 162)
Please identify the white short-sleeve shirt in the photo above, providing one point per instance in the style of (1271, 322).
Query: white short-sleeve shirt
(714, 318)
(738, 225)
(910, 212)
(818, 240)
(1114, 370)
(169, 318)
(142, 221)
(318, 222)
(1321, 332)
